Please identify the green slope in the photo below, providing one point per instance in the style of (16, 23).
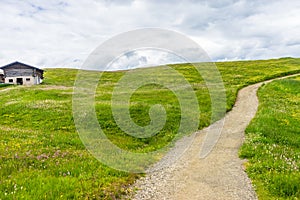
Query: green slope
(42, 157)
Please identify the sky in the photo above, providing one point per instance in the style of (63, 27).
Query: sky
(63, 33)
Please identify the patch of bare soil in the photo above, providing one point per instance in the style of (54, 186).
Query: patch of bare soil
(54, 87)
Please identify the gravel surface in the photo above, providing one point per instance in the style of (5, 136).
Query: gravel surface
(220, 175)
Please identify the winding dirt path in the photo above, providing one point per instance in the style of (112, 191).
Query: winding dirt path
(218, 176)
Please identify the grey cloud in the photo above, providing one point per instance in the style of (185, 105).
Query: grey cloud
(58, 33)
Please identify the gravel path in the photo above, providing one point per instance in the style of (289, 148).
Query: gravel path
(220, 175)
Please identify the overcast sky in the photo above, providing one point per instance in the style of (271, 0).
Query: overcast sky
(61, 33)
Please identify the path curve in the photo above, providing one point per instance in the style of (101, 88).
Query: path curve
(218, 176)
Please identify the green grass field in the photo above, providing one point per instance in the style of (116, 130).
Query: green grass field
(42, 156)
(272, 143)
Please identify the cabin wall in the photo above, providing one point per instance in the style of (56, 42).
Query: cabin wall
(23, 80)
(1, 78)
(15, 72)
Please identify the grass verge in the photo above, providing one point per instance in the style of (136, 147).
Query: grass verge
(272, 144)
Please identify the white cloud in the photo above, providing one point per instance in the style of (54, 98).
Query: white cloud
(62, 33)
(144, 58)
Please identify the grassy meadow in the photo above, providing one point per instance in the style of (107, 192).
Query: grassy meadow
(272, 143)
(42, 156)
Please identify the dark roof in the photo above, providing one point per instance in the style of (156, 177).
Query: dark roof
(14, 63)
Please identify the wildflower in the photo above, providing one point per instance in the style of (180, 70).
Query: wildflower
(28, 153)
(42, 156)
(56, 154)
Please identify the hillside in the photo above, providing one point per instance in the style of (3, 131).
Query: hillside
(42, 156)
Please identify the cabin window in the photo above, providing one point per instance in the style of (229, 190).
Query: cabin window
(10, 80)
(27, 79)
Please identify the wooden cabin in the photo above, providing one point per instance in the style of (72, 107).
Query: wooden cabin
(21, 74)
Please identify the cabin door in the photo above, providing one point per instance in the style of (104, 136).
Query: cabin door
(19, 81)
